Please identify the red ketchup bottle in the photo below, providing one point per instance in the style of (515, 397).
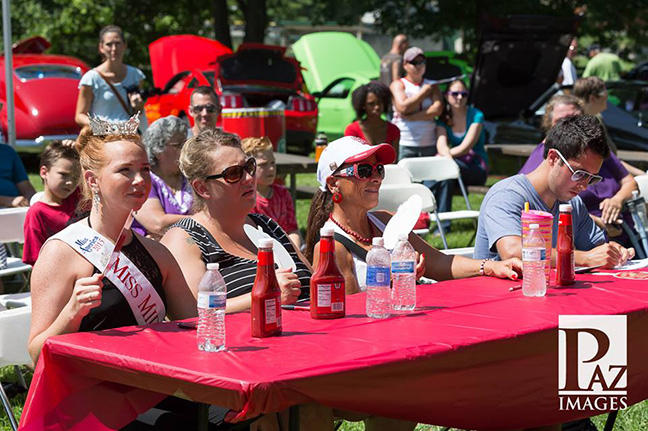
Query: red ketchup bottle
(266, 295)
(565, 247)
(327, 289)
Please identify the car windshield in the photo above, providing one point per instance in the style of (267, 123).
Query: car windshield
(258, 65)
(41, 71)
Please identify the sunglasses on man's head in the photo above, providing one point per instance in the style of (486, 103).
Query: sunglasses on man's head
(580, 175)
(458, 93)
(362, 171)
(418, 62)
(234, 174)
(210, 107)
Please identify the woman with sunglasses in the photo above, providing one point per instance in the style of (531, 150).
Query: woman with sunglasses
(417, 102)
(171, 196)
(350, 173)
(462, 138)
(370, 102)
(224, 186)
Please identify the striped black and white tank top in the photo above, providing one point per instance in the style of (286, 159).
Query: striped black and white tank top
(239, 272)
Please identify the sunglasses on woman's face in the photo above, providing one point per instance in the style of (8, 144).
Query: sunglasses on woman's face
(234, 174)
(418, 62)
(458, 93)
(362, 171)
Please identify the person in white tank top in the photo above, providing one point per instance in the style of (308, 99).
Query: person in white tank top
(350, 172)
(417, 102)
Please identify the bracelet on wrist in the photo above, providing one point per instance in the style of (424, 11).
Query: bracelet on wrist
(482, 267)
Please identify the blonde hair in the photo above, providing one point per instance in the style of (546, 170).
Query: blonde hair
(195, 157)
(251, 146)
(92, 155)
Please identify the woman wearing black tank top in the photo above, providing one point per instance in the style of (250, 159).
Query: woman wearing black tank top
(68, 294)
(222, 177)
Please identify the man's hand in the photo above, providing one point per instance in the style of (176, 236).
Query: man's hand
(610, 209)
(608, 255)
(19, 201)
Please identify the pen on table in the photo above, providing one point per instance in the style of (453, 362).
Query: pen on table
(518, 287)
(296, 307)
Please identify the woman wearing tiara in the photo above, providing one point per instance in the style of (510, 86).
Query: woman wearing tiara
(110, 90)
(116, 179)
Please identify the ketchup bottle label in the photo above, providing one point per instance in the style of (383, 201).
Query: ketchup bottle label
(271, 311)
(324, 295)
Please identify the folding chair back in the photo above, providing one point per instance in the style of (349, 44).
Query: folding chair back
(642, 182)
(14, 334)
(431, 168)
(11, 225)
(395, 174)
(35, 198)
(392, 195)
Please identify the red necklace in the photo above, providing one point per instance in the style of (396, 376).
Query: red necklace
(350, 232)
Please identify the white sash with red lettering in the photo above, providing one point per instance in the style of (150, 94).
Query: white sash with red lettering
(143, 299)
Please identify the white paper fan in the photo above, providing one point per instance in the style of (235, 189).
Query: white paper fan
(281, 255)
(403, 221)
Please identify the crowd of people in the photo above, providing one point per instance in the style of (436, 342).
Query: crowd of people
(196, 188)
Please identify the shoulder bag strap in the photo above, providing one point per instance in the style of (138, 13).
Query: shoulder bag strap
(114, 90)
(351, 246)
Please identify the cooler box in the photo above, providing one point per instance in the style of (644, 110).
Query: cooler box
(257, 122)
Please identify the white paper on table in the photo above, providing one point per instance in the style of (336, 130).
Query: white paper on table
(633, 264)
(403, 221)
(281, 256)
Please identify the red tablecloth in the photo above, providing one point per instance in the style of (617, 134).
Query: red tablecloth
(473, 355)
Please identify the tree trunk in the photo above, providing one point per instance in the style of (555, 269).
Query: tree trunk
(256, 21)
(221, 23)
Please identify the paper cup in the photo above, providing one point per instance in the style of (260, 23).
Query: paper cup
(545, 221)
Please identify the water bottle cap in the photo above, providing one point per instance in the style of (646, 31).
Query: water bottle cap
(378, 241)
(326, 231)
(403, 237)
(564, 208)
(265, 243)
(212, 266)
(534, 226)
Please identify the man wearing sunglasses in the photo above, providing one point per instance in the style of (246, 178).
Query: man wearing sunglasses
(574, 152)
(204, 108)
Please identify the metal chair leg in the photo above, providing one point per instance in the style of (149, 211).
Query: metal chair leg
(20, 377)
(609, 423)
(7, 407)
(438, 222)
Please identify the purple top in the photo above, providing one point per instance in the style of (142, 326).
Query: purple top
(612, 172)
(171, 203)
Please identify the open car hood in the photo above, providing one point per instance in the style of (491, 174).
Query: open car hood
(171, 55)
(328, 55)
(31, 45)
(519, 58)
(259, 64)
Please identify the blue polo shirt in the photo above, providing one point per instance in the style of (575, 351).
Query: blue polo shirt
(12, 171)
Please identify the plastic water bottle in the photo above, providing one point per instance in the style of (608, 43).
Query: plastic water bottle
(534, 282)
(403, 268)
(378, 280)
(212, 294)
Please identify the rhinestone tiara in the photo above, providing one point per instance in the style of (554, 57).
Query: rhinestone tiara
(103, 127)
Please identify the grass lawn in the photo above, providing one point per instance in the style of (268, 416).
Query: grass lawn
(633, 419)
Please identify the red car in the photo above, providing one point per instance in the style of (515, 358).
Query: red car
(256, 75)
(45, 94)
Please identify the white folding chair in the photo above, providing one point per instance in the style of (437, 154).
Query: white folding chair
(463, 251)
(14, 335)
(642, 182)
(36, 197)
(11, 231)
(395, 174)
(440, 169)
